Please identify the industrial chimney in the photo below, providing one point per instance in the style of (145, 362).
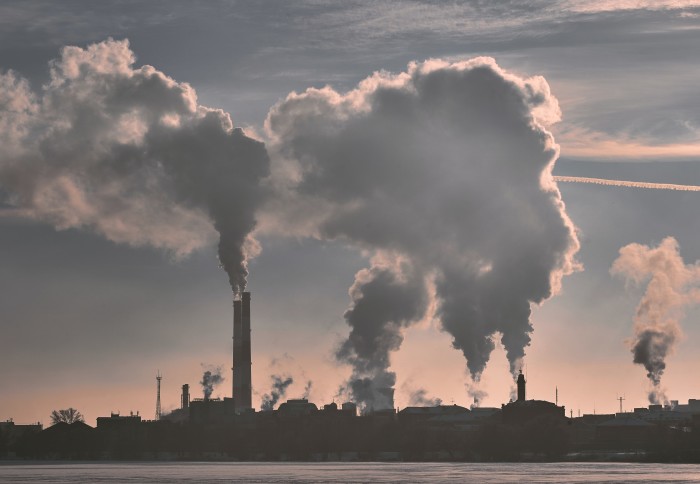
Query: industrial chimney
(242, 390)
(521, 387)
(185, 402)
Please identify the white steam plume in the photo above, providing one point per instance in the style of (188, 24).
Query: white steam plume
(672, 285)
(624, 183)
(129, 153)
(444, 170)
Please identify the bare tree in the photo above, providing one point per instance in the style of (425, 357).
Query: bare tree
(68, 415)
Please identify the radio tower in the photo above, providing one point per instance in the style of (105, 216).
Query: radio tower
(620, 399)
(159, 377)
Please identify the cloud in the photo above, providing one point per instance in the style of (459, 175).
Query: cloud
(583, 143)
(598, 6)
(443, 173)
(130, 154)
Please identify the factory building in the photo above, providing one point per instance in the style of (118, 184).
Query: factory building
(523, 410)
(208, 411)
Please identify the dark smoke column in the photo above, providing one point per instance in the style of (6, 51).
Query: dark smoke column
(242, 389)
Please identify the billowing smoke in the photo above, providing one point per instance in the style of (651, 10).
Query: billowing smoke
(672, 285)
(279, 390)
(385, 300)
(129, 153)
(210, 379)
(444, 169)
(420, 398)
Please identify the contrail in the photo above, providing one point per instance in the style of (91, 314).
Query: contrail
(625, 183)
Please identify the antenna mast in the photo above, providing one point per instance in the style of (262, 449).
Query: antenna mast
(159, 377)
(621, 399)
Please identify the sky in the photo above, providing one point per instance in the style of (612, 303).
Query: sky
(387, 181)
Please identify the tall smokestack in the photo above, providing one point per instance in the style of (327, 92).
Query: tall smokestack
(242, 390)
(236, 347)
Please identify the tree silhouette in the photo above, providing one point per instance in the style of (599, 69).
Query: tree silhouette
(68, 415)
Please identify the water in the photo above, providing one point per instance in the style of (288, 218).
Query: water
(374, 472)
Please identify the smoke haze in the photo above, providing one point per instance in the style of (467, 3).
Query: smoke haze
(443, 174)
(671, 286)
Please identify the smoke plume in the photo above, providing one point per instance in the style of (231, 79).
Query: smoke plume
(210, 379)
(444, 169)
(672, 285)
(279, 390)
(307, 389)
(129, 153)
(477, 395)
(384, 300)
(420, 397)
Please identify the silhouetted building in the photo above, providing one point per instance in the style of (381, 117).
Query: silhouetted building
(523, 410)
(210, 411)
(65, 441)
(11, 433)
(423, 414)
(625, 431)
(595, 419)
(349, 407)
(297, 407)
(118, 421)
(381, 417)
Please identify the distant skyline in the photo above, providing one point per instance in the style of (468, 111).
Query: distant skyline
(88, 322)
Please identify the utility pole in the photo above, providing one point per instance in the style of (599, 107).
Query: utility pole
(159, 377)
(556, 396)
(621, 399)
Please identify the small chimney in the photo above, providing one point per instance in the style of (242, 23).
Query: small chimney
(521, 386)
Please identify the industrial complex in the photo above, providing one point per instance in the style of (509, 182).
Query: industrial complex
(230, 429)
